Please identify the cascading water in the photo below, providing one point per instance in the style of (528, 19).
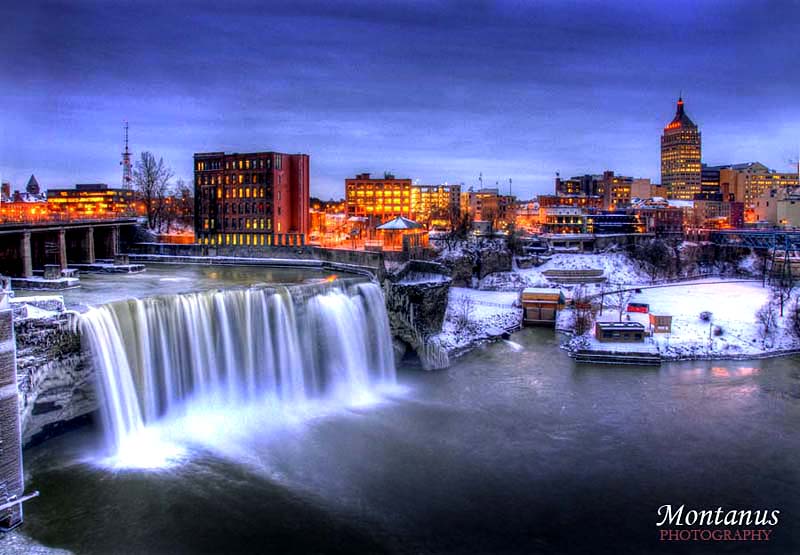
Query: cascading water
(159, 356)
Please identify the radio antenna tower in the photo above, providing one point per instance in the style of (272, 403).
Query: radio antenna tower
(127, 174)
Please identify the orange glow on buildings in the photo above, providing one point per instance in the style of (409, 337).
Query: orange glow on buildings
(382, 199)
(84, 202)
(377, 199)
(89, 201)
(11, 212)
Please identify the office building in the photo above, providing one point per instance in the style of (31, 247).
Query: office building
(680, 156)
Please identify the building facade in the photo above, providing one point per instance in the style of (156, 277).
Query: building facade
(641, 187)
(613, 223)
(252, 199)
(587, 203)
(778, 207)
(615, 190)
(659, 217)
(90, 200)
(378, 199)
(748, 181)
(562, 219)
(437, 206)
(488, 205)
(680, 156)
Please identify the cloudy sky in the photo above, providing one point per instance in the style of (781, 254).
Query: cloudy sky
(436, 91)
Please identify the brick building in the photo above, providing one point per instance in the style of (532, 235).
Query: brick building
(256, 199)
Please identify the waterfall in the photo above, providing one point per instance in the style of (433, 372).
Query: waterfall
(157, 356)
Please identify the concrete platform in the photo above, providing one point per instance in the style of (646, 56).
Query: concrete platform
(109, 268)
(36, 282)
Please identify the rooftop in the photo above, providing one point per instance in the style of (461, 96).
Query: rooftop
(681, 120)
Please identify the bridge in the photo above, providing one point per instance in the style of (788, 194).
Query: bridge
(762, 239)
(29, 246)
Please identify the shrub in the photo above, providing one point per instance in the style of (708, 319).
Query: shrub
(464, 308)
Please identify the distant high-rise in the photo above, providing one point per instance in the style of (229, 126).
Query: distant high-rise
(680, 156)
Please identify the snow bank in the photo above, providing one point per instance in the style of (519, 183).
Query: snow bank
(37, 306)
(491, 313)
(618, 268)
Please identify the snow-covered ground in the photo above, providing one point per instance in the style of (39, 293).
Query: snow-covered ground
(732, 305)
(38, 306)
(490, 314)
(422, 277)
(616, 267)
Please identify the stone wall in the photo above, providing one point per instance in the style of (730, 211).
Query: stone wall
(10, 453)
(341, 258)
(55, 378)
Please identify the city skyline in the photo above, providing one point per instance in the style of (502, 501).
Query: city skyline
(503, 90)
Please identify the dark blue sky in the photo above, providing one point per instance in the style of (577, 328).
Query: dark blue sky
(438, 91)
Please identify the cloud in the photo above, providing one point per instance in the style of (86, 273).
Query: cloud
(435, 90)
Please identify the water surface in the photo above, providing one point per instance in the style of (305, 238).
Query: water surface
(166, 279)
(508, 451)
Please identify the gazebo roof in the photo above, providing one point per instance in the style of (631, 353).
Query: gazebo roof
(399, 223)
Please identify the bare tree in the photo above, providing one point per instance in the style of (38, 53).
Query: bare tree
(582, 307)
(618, 300)
(513, 239)
(463, 311)
(461, 226)
(783, 285)
(767, 323)
(178, 207)
(654, 256)
(151, 179)
(794, 317)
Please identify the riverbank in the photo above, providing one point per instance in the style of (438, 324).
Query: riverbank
(474, 317)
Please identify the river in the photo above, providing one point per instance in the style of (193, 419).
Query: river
(171, 279)
(515, 448)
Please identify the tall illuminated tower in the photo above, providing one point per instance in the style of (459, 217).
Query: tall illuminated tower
(127, 173)
(680, 156)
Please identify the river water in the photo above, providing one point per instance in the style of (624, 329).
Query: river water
(515, 448)
(171, 279)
